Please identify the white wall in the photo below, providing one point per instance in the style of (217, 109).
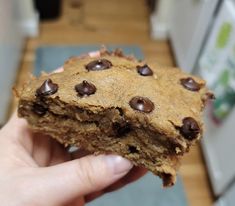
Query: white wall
(14, 15)
(29, 17)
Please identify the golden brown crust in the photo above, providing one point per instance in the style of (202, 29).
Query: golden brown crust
(115, 87)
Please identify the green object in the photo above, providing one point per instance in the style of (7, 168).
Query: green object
(224, 104)
(225, 95)
(224, 35)
(224, 78)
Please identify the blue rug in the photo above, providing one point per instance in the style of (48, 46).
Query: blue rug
(146, 191)
(49, 58)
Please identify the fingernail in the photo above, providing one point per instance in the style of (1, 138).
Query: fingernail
(118, 164)
(60, 69)
(94, 54)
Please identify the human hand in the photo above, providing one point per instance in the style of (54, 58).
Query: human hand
(37, 170)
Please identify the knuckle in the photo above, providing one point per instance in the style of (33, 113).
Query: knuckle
(87, 174)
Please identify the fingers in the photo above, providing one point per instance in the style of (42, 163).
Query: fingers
(16, 130)
(17, 123)
(64, 182)
(41, 149)
(134, 174)
(47, 151)
(79, 153)
(94, 54)
(58, 70)
(77, 202)
(58, 154)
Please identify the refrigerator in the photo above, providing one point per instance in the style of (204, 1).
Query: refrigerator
(202, 34)
(217, 65)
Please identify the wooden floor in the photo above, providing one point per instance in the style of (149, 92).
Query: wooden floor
(124, 22)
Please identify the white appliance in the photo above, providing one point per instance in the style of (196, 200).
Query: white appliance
(202, 33)
(189, 23)
(217, 59)
(228, 199)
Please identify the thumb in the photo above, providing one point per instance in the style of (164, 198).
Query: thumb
(62, 183)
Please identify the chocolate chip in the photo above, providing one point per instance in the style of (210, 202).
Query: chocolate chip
(47, 88)
(132, 149)
(142, 104)
(85, 88)
(190, 128)
(121, 129)
(120, 110)
(119, 53)
(167, 179)
(210, 95)
(190, 84)
(144, 70)
(39, 109)
(207, 97)
(99, 64)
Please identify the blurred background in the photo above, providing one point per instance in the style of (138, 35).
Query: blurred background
(196, 35)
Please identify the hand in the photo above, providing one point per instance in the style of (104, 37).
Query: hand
(35, 170)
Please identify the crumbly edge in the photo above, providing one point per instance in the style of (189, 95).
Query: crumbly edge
(95, 133)
(103, 52)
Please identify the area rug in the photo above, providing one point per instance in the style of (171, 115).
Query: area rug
(49, 58)
(148, 190)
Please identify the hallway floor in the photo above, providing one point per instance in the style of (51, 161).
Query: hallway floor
(124, 22)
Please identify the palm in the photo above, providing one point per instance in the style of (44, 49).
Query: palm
(25, 149)
(32, 149)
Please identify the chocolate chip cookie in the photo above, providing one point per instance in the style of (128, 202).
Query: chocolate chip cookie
(148, 114)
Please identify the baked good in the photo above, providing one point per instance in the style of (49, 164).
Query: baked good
(148, 114)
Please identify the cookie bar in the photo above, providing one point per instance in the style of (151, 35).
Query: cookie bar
(148, 114)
